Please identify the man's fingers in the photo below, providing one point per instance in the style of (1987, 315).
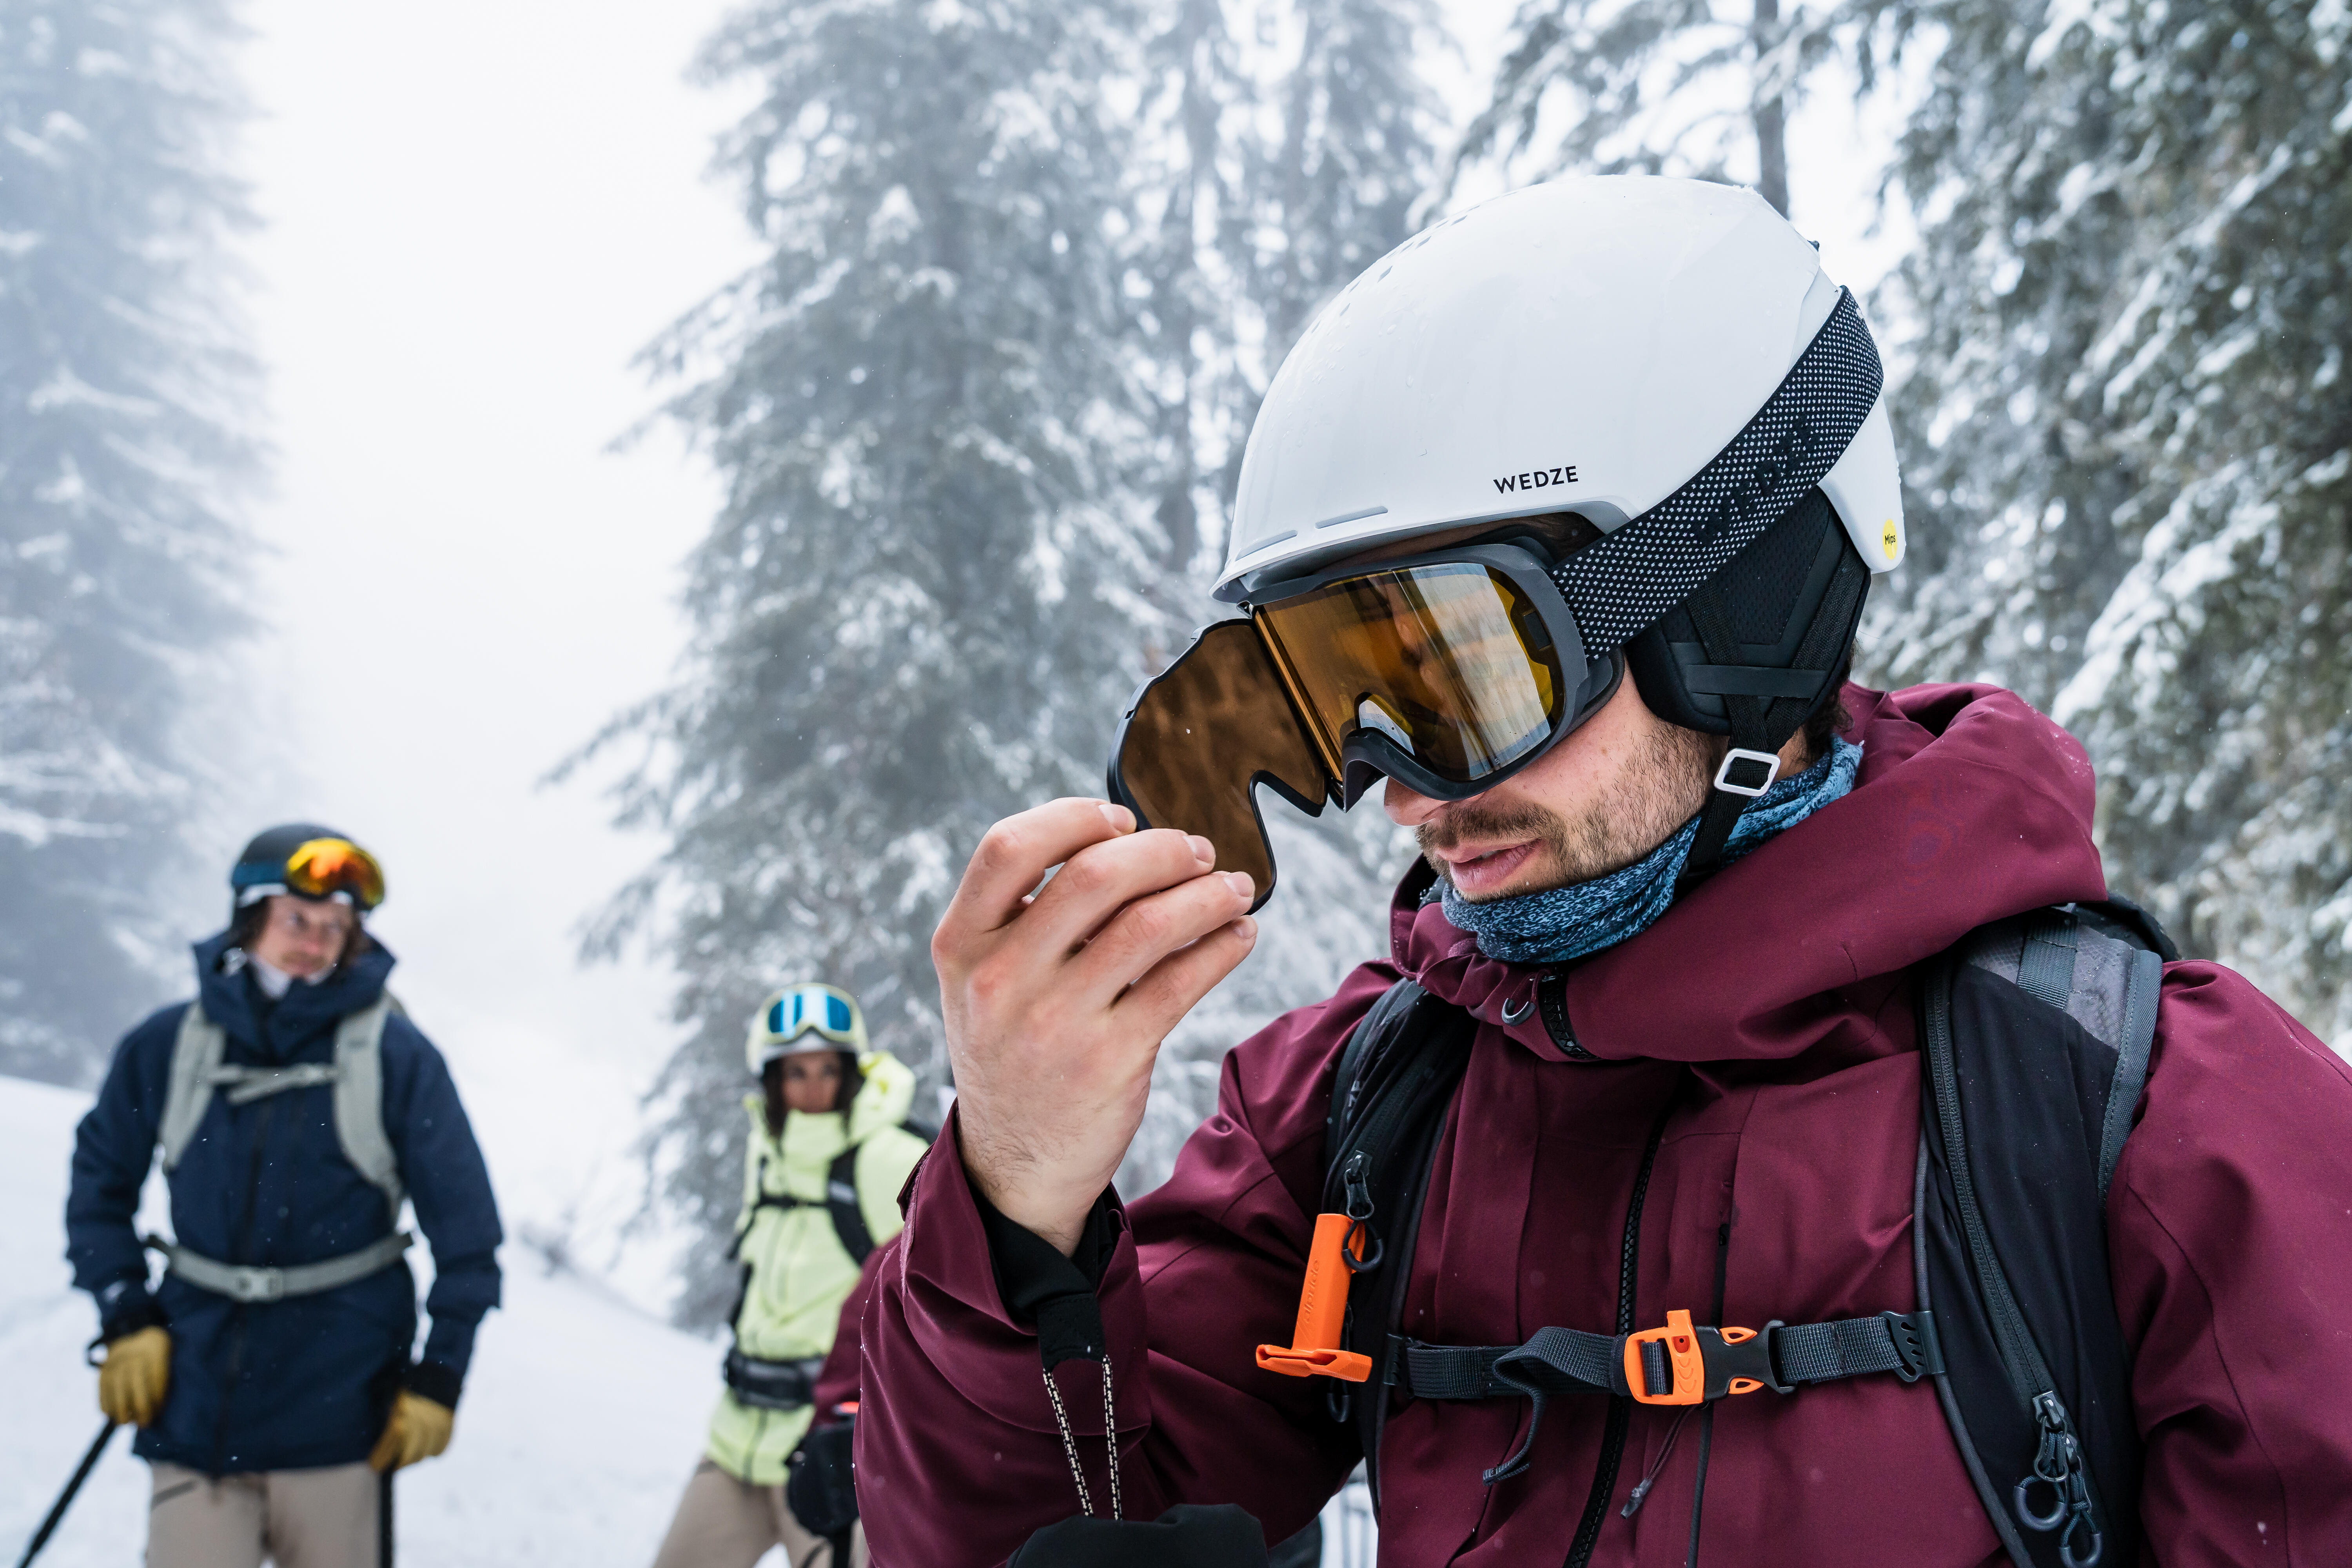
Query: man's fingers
(1148, 928)
(1161, 998)
(1014, 857)
(1092, 889)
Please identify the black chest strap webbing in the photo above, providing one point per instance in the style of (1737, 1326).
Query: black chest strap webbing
(1681, 1364)
(840, 1201)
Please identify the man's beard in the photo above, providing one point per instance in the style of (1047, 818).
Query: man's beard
(1658, 790)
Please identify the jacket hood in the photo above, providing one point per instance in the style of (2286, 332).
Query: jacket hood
(304, 1011)
(884, 1099)
(1969, 806)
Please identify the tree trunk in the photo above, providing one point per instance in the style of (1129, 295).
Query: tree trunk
(1771, 118)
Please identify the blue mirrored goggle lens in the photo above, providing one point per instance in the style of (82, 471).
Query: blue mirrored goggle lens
(789, 1015)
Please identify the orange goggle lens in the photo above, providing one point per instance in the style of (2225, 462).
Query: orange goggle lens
(325, 866)
(1451, 660)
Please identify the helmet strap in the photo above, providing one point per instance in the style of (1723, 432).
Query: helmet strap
(1760, 726)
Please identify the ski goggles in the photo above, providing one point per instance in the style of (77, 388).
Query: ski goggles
(814, 1008)
(1448, 672)
(318, 868)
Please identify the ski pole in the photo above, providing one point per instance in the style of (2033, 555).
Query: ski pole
(384, 1519)
(65, 1499)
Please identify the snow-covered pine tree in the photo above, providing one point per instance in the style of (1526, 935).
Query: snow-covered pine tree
(915, 613)
(123, 448)
(2127, 430)
(1699, 88)
(1296, 156)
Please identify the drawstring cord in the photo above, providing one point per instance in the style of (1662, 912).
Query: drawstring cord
(1070, 1444)
(1642, 1488)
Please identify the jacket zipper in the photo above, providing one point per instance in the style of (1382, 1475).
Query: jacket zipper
(2058, 1460)
(239, 1314)
(1621, 1409)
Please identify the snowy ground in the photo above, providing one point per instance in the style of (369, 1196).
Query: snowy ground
(582, 1416)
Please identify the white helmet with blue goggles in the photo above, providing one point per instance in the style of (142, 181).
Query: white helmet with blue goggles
(809, 1017)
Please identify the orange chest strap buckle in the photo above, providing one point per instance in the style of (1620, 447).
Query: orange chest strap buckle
(1683, 1364)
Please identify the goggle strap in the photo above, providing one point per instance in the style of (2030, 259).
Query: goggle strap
(1623, 583)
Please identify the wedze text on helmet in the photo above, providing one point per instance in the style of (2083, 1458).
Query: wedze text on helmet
(1538, 479)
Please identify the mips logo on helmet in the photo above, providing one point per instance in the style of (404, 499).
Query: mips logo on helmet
(1536, 478)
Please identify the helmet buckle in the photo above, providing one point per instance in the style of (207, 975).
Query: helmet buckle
(1739, 756)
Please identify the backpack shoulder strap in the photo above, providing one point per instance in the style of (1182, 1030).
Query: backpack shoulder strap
(2103, 966)
(841, 1203)
(359, 1100)
(2034, 1039)
(196, 1053)
(1390, 1094)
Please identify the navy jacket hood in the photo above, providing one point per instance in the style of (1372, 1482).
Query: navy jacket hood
(225, 986)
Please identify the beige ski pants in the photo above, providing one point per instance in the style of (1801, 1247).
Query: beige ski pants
(723, 1523)
(295, 1519)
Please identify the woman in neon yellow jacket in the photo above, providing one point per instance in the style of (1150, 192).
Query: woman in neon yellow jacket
(829, 1150)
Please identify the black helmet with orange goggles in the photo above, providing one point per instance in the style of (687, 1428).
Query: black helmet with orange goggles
(309, 861)
(1448, 671)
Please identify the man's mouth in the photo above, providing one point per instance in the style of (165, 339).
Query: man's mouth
(1481, 872)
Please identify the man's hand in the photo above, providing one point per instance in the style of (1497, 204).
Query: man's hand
(418, 1428)
(135, 1375)
(1056, 1005)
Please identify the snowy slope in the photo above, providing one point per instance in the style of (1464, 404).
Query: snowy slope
(580, 1423)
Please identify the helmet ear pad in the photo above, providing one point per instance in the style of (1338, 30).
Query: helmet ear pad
(1773, 591)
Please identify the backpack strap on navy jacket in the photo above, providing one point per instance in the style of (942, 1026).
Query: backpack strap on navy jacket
(2035, 1037)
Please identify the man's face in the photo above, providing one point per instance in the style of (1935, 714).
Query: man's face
(1596, 803)
(303, 937)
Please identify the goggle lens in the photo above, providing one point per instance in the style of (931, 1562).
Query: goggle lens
(1451, 662)
(327, 865)
(797, 1012)
(1204, 734)
(1443, 673)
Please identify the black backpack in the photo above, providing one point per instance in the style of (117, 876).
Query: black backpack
(2036, 1033)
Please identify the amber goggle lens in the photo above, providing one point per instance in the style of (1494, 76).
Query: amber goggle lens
(1452, 661)
(1203, 734)
(325, 866)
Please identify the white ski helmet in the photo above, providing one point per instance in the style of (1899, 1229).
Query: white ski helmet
(1596, 427)
(1587, 345)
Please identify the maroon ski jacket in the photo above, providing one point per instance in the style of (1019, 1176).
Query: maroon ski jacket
(1769, 1016)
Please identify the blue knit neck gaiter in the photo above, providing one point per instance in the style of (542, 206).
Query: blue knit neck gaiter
(1562, 923)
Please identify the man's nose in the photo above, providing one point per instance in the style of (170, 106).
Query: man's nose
(1408, 807)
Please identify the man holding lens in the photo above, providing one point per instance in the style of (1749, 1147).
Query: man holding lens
(1767, 1137)
(296, 1110)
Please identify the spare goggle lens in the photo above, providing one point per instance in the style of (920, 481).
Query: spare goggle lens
(328, 865)
(1203, 734)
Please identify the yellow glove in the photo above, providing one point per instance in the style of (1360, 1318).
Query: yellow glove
(419, 1429)
(134, 1376)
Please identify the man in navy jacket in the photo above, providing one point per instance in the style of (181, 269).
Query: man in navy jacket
(271, 1373)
